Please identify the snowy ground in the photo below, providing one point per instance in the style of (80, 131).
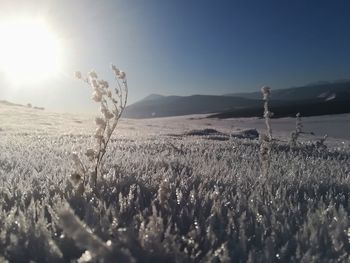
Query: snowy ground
(16, 120)
(166, 198)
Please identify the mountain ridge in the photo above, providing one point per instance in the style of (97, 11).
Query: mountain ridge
(156, 105)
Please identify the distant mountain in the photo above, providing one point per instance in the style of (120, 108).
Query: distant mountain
(7, 103)
(153, 97)
(332, 97)
(321, 98)
(290, 109)
(321, 90)
(162, 106)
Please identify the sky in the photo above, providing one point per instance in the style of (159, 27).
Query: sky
(185, 47)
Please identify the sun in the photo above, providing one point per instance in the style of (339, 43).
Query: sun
(30, 52)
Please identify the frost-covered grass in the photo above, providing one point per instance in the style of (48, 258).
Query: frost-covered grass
(173, 199)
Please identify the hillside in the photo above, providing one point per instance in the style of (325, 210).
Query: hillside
(163, 106)
(322, 90)
(313, 108)
(7, 103)
(314, 99)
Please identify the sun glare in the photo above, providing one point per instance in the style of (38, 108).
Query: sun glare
(30, 52)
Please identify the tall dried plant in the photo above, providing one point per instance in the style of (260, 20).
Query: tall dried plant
(265, 139)
(298, 130)
(266, 91)
(112, 104)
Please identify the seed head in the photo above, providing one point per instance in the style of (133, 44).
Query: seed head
(100, 122)
(104, 84)
(115, 70)
(93, 74)
(121, 75)
(266, 91)
(97, 96)
(94, 84)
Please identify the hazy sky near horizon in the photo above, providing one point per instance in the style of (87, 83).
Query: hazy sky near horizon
(183, 47)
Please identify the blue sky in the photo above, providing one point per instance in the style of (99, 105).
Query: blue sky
(183, 47)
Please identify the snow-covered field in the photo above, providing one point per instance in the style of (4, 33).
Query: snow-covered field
(20, 120)
(169, 197)
(336, 126)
